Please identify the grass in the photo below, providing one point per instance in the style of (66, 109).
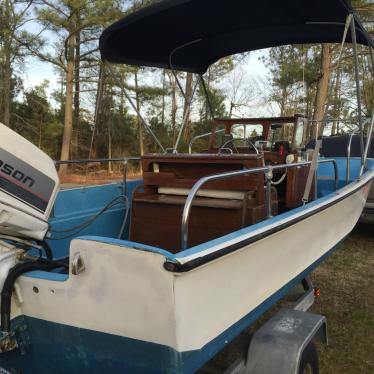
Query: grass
(346, 280)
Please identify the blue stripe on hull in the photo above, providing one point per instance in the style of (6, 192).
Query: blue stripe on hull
(56, 348)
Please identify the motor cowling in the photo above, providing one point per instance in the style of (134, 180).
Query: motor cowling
(29, 185)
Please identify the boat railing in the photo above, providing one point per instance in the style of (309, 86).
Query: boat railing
(96, 160)
(267, 170)
(349, 148)
(202, 136)
(124, 160)
(366, 150)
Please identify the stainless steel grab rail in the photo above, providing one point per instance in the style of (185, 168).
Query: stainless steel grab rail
(367, 146)
(208, 134)
(267, 170)
(201, 137)
(250, 143)
(366, 151)
(349, 146)
(97, 160)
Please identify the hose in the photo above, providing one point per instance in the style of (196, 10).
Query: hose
(77, 229)
(14, 273)
(280, 180)
(29, 244)
(47, 249)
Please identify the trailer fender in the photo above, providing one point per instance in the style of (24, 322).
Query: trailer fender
(277, 347)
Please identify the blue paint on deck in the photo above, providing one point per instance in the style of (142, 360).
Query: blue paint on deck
(72, 207)
(75, 206)
(52, 276)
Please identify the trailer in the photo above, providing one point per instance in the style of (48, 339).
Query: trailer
(283, 344)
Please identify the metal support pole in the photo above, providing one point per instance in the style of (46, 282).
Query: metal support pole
(312, 170)
(268, 178)
(196, 138)
(371, 53)
(357, 77)
(267, 170)
(184, 123)
(368, 143)
(171, 62)
(207, 96)
(124, 184)
(349, 147)
(128, 97)
(178, 83)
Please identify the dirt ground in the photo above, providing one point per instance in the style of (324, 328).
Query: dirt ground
(94, 178)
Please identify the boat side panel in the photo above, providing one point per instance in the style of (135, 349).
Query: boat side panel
(231, 285)
(123, 291)
(74, 350)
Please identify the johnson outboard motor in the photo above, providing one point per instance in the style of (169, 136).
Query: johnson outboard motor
(28, 188)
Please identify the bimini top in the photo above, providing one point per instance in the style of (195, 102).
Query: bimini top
(190, 35)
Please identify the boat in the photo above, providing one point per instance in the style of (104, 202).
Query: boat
(348, 145)
(158, 275)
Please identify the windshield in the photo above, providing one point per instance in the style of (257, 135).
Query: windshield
(246, 131)
(282, 132)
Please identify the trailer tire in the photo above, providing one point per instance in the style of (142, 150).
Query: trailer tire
(309, 360)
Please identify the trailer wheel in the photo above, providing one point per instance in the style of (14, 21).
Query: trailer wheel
(309, 360)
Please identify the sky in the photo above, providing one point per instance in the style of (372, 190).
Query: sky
(35, 72)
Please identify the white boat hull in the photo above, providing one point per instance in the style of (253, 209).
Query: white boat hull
(127, 291)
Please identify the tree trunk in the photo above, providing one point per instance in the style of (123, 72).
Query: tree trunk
(110, 169)
(173, 106)
(7, 87)
(68, 122)
(283, 101)
(322, 88)
(98, 109)
(76, 120)
(336, 111)
(122, 93)
(163, 98)
(207, 110)
(231, 108)
(139, 121)
(40, 131)
(7, 46)
(186, 109)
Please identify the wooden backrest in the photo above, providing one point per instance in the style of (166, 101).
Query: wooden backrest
(183, 171)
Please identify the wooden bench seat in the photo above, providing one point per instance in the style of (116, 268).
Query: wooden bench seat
(198, 201)
(223, 206)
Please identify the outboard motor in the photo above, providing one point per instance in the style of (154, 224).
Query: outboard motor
(28, 188)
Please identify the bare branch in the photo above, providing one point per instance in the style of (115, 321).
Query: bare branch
(53, 6)
(40, 55)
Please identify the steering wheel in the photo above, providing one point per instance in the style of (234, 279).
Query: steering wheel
(231, 141)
